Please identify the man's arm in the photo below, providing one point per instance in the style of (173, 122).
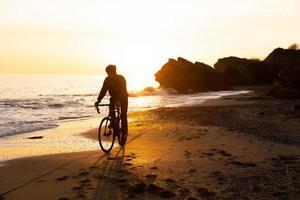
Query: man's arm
(103, 91)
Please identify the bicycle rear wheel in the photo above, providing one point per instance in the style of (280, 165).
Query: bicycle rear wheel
(122, 134)
(106, 135)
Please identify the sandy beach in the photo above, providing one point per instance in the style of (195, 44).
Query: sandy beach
(237, 147)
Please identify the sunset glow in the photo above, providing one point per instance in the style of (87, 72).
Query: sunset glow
(79, 37)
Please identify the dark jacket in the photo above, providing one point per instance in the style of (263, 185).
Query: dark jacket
(116, 87)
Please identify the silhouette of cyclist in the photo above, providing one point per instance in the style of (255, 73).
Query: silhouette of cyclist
(115, 84)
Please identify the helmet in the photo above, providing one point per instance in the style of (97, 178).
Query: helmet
(111, 69)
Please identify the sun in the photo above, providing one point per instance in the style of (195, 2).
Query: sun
(139, 62)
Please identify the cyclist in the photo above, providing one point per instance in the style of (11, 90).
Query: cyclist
(115, 84)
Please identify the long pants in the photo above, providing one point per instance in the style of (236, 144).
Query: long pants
(124, 108)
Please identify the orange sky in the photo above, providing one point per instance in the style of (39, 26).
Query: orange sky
(76, 36)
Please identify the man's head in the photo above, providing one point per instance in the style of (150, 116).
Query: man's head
(111, 69)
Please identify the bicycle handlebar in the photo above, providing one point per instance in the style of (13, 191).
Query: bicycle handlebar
(99, 105)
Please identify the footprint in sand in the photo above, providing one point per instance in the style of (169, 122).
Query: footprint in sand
(152, 188)
(217, 175)
(124, 172)
(167, 194)
(204, 193)
(81, 196)
(187, 154)
(241, 164)
(151, 176)
(162, 192)
(213, 149)
(182, 180)
(171, 183)
(85, 181)
(191, 171)
(224, 153)
(84, 173)
(122, 180)
(208, 154)
(93, 167)
(191, 198)
(127, 164)
(77, 188)
(183, 192)
(63, 178)
(63, 198)
(154, 168)
(136, 189)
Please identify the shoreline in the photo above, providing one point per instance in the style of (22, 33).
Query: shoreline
(35, 140)
(219, 149)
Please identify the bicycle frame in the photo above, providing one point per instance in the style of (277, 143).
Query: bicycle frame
(114, 118)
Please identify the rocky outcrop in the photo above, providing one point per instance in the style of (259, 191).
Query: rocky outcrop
(288, 83)
(185, 76)
(280, 66)
(287, 61)
(237, 71)
(241, 71)
(283, 57)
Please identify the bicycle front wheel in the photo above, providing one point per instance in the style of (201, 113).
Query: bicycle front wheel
(106, 135)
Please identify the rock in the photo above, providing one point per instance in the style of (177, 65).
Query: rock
(282, 57)
(185, 76)
(242, 71)
(288, 83)
(280, 65)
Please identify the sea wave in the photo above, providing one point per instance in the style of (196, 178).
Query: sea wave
(20, 115)
(152, 91)
(25, 127)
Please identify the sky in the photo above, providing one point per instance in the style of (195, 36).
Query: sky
(83, 36)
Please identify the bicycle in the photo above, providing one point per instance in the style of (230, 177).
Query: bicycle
(110, 127)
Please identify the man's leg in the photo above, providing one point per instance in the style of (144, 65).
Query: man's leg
(124, 107)
(112, 113)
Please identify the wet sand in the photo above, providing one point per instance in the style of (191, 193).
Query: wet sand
(238, 147)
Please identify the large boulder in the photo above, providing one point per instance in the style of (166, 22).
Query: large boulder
(279, 59)
(283, 57)
(288, 83)
(287, 61)
(242, 71)
(185, 76)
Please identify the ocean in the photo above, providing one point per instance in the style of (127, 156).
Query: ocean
(31, 102)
